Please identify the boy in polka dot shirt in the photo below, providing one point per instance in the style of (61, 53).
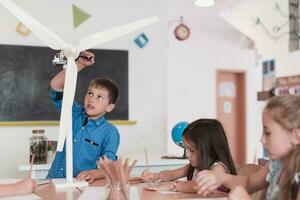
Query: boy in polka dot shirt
(93, 136)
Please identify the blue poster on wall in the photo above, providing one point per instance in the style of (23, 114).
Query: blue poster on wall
(268, 75)
(141, 40)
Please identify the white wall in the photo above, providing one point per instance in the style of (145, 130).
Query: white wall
(286, 63)
(192, 66)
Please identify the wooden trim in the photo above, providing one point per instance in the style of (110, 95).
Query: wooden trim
(56, 123)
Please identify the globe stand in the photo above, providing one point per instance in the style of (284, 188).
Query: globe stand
(176, 157)
(184, 154)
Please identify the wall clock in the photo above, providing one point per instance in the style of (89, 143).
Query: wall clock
(182, 31)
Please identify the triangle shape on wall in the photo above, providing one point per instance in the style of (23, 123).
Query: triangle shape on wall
(79, 16)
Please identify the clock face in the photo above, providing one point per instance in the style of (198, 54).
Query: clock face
(182, 32)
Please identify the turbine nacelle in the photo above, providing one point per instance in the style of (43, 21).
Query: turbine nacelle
(70, 52)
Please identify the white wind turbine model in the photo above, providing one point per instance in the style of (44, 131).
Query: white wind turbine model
(71, 52)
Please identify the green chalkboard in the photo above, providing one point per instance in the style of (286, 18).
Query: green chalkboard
(25, 74)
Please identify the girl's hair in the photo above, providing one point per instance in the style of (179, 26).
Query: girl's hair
(289, 186)
(285, 110)
(209, 138)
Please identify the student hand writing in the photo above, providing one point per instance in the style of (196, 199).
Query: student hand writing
(160, 186)
(206, 182)
(85, 59)
(148, 176)
(239, 193)
(89, 175)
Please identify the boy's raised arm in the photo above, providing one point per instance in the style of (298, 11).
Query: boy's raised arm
(86, 58)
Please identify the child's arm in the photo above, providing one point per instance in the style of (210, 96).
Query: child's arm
(239, 193)
(57, 82)
(91, 175)
(176, 186)
(166, 175)
(207, 181)
(182, 186)
(21, 187)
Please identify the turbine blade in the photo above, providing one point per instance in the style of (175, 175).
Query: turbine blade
(102, 37)
(41, 32)
(68, 98)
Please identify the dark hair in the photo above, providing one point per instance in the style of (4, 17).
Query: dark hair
(209, 138)
(109, 85)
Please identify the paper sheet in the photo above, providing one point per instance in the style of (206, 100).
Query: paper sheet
(22, 197)
(19, 197)
(92, 193)
(194, 198)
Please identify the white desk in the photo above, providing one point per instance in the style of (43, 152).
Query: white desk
(156, 163)
(38, 171)
(48, 192)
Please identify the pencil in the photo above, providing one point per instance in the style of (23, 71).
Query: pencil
(146, 159)
(31, 163)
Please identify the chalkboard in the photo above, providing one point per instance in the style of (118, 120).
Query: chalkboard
(25, 74)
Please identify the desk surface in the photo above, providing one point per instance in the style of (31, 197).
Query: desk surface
(48, 192)
(154, 160)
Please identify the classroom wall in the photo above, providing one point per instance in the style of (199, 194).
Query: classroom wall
(192, 65)
(242, 18)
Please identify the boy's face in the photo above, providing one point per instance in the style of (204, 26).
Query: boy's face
(275, 139)
(96, 102)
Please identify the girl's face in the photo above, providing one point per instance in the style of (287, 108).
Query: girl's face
(275, 139)
(191, 152)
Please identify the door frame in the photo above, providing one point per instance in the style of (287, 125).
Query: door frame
(243, 107)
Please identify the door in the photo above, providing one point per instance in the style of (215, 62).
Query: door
(231, 111)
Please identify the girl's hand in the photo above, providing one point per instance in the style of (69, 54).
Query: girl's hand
(25, 186)
(160, 187)
(206, 182)
(147, 176)
(239, 193)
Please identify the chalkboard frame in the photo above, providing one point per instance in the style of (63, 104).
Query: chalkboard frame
(16, 61)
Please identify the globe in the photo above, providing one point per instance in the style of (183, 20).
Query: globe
(177, 132)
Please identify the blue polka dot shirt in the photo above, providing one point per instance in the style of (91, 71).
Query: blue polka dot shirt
(92, 139)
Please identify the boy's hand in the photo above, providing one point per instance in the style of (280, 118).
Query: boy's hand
(89, 175)
(85, 59)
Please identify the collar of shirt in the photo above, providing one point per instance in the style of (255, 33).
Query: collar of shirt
(96, 122)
